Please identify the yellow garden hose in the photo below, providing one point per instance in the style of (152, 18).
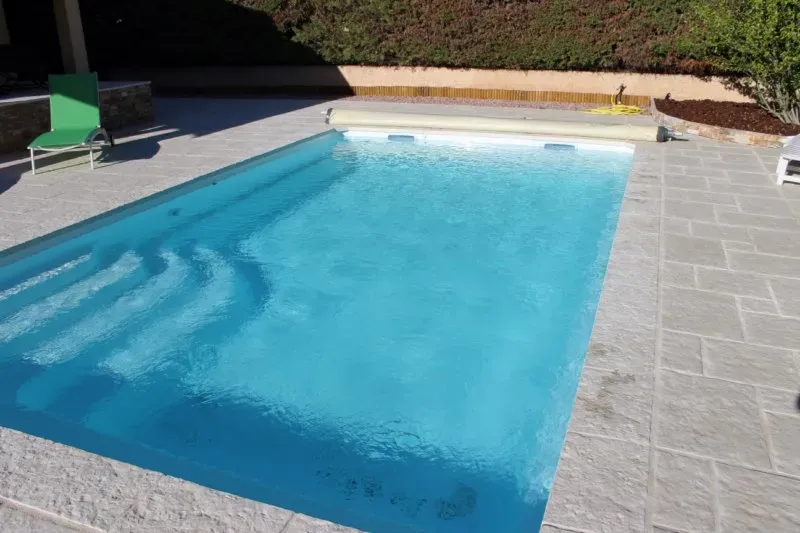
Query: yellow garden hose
(616, 107)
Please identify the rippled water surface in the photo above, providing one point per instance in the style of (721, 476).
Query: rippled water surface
(383, 334)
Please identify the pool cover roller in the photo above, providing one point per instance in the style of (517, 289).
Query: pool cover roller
(378, 119)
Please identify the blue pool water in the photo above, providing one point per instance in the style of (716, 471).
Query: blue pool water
(383, 334)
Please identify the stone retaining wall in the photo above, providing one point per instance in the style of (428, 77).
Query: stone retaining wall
(716, 132)
(22, 121)
(352, 78)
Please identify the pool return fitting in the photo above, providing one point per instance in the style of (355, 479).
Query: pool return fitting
(377, 119)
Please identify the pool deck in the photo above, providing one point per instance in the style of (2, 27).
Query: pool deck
(686, 418)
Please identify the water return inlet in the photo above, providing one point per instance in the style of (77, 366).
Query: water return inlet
(377, 119)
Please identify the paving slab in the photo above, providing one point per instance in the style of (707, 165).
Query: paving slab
(756, 502)
(711, 418)
(685, 492)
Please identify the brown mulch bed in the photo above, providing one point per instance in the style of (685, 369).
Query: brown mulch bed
(748, 117)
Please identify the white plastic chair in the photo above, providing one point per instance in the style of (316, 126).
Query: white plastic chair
(791, 152)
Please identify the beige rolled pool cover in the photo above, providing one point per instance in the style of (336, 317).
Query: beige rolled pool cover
(377, 119)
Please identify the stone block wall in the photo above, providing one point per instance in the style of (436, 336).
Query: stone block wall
(120, 107)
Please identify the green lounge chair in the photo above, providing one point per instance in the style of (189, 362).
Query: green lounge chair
(74, 117)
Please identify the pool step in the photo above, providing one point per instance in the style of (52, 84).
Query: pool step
(193, 308)
(39, 312)
(158, 341)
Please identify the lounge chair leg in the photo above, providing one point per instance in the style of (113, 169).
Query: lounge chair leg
(783, 165)
(33, 163)
(91, 156)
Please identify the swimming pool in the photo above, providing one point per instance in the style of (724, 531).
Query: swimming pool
(384, 334)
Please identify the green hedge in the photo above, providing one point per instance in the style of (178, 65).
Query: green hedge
(638, 35)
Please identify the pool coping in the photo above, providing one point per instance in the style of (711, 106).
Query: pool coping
(82, 491)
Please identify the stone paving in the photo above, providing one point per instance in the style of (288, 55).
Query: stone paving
(686, 418)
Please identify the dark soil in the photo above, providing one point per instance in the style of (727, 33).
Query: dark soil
(748, 117)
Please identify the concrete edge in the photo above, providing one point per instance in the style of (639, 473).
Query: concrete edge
(614, 465)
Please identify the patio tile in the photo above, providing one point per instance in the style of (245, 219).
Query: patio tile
(105, 198)
(693, 250)
(757, 305)
(772, 330)
(621, 349)
(600, 482)
(687, 161)
(724, 148)
(162, 502)
(727, 209)
(704, 154)
(789, 190)
(633, 269)
(639, 190)
(728, 281)
(764, 206)
(739, 246)
(785, 435)
(764, 264)
(689, 210)
(751, 178)
(644, 178)
(688, 195)
(776, 242)
(641, 222)
(780, 401)
(758, 221)
(757, 365)
(682, 181)
(684, 492)
(681, 351)
(68, 470)
(18, 231)
(717, 231)
(38, 192)
(752, 502)
(628, 241)
(745, 190)
(677, 226)
(641, 206)
(787, 293)
(63, 213)
(19, 205)
(746, 165)
(679, 274)
(703, 313)
(696, 171)
(712, 418)
(614, 403)
(19, 520)
(636, 304)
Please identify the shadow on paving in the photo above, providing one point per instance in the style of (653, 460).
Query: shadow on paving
(199, 33)
(176, 117)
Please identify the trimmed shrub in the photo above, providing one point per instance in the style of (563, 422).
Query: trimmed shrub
(636, 35)
(759, 41)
